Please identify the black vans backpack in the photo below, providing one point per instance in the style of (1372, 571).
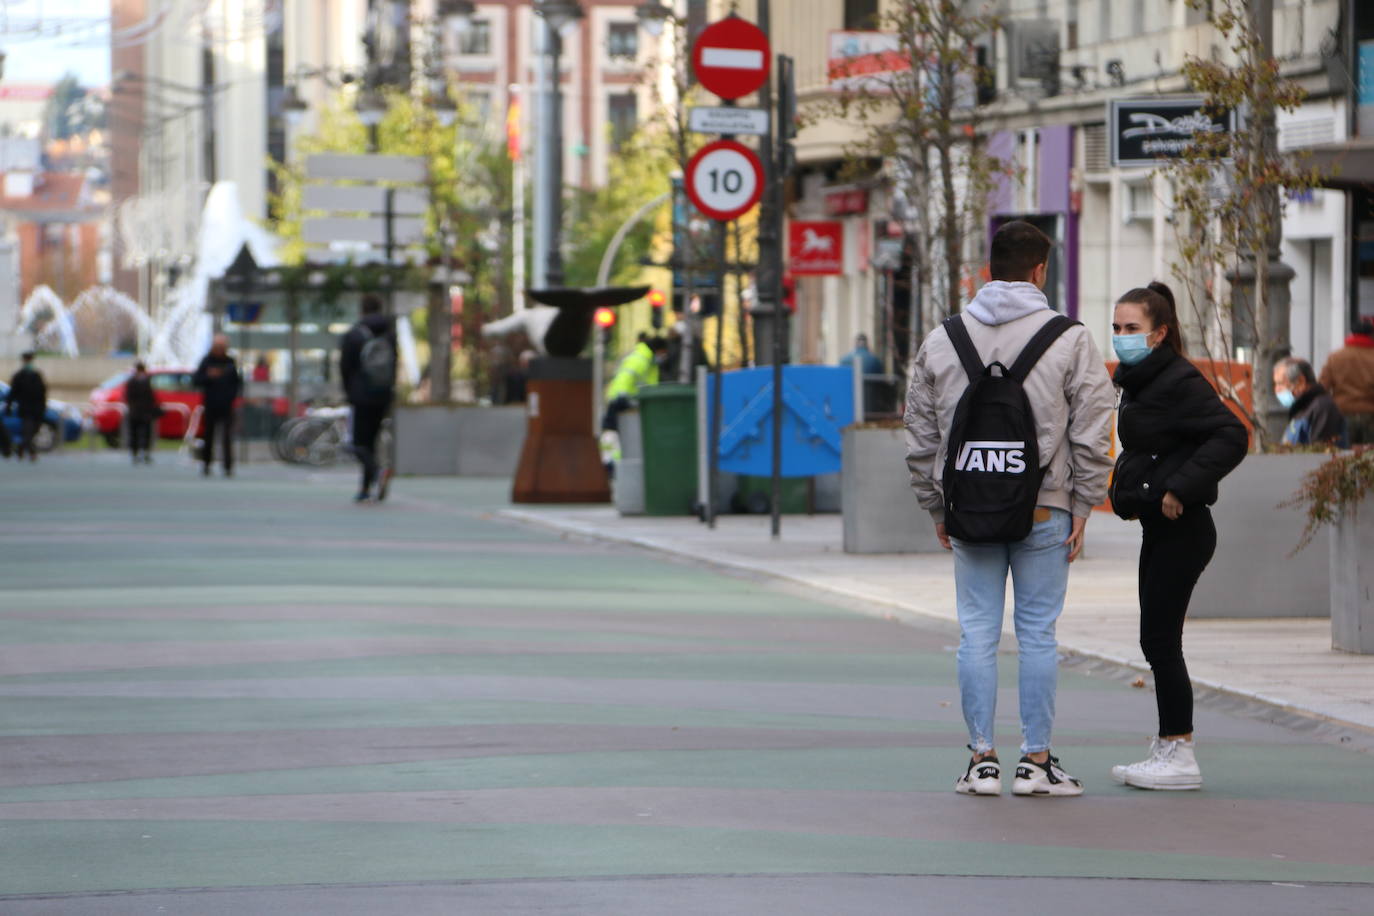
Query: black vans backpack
(992, 469)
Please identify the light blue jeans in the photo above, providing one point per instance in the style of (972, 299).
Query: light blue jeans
(1039, 568)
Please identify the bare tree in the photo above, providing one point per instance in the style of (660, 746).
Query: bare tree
(1227, 203)
(923, 122)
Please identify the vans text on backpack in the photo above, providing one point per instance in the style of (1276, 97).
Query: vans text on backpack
(992, 467)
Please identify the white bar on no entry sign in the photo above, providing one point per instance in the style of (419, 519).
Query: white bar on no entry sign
(732, 58)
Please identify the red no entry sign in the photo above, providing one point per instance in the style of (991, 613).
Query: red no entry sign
(724, 179)
(731, 57)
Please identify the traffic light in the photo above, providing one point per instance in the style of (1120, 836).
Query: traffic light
(789, 292)
(657, 302)
(604, 318)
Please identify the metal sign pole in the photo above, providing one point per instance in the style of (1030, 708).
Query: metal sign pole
(717, 378)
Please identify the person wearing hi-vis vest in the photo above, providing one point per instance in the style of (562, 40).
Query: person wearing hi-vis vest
(1008, 429)
(639, 369)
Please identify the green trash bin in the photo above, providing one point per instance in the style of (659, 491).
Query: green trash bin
(668, 430)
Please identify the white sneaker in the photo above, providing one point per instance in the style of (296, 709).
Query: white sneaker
(983, 777)
(1044, 779)
(1119, 771)
(1171, 765)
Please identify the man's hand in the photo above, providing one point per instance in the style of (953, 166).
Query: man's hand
(1172, 507)
(944, 537)
(1075, 541)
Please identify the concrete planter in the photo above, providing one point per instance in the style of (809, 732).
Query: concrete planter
(880, 511)
(458, 439)
(1252, 574)
(1352, 580)
(627, 488)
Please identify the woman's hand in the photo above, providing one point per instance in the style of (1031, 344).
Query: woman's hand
(1171, 507)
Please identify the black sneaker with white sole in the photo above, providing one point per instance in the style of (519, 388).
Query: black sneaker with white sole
(983, 777)
(1044, 780)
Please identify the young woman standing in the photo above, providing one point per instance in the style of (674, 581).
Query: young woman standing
(1178, 441)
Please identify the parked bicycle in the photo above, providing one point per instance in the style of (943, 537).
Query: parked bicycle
(322, 436)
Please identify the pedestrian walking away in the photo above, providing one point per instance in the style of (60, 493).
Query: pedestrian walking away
(143, 413)
(220, 384)
(1313, 417)
(1178, 441)
(972, 443)
(367, 366)
(1349, 377)
(28, 398)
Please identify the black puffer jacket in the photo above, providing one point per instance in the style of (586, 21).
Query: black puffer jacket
(1171, 414)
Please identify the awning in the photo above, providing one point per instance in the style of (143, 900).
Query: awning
(1345, 166)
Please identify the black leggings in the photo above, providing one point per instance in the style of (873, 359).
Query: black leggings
(1172, 557)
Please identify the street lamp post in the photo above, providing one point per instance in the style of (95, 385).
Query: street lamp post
(558, 14)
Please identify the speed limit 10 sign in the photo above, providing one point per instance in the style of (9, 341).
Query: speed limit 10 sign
(724, 179)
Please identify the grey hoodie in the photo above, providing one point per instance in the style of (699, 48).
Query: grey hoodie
(1069, 391)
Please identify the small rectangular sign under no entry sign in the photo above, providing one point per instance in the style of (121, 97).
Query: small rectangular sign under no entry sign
(727, 120)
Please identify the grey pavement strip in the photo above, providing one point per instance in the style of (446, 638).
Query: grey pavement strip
(1311, 723)
(730, 895)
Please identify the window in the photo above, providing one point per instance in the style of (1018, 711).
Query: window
(622, 40)
(623, 113)
(1138, 199)
(475, 40)
(860, 15)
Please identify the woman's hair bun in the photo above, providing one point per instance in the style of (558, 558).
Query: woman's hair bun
(1164, 291)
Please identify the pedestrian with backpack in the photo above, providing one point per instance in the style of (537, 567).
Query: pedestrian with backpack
(1008, 421)
(367, 365)
(1178, 441)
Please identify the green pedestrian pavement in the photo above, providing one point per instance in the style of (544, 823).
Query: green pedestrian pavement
(250, 695)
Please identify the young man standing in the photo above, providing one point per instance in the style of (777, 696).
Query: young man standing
(367, 365)
(1071, 398)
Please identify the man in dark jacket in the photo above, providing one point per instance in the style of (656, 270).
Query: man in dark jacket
(1313, 417)
(28, 398)
(367, 366)
(220, 384)
(143, 412)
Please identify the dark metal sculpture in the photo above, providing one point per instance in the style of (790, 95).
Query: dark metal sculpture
(571, 329)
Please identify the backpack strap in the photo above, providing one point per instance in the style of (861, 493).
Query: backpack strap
(1049, 332)
(963, 345)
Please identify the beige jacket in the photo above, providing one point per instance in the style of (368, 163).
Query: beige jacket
(1069, 391)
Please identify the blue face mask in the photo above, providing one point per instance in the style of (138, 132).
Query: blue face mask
(1285, 398)
(1130, 348)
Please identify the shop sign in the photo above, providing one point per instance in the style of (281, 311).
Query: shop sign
(1145, 131)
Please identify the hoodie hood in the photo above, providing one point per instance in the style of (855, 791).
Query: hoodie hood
(999, 302)
(377, 324)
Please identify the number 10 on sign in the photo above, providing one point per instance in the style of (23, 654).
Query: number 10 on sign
(724, 179)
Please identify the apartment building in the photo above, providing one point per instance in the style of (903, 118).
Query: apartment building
(1055, 66)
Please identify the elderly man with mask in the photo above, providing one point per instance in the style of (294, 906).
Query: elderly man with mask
(1313, 418)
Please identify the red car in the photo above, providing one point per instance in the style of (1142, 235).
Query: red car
(175, 393)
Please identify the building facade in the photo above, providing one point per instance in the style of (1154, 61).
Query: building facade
(1055, 65)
